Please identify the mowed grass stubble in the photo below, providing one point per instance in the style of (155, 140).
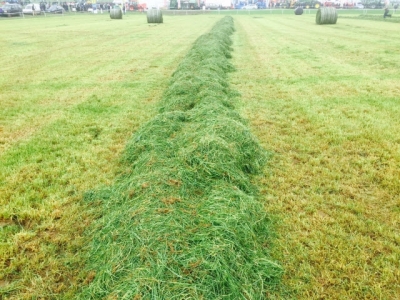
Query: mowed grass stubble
(325, 100)
(71, 96)
(325, 104)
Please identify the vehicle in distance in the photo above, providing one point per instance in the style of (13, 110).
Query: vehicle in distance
(250, 6)
(12, 9)
(30, 8)
(55, 9)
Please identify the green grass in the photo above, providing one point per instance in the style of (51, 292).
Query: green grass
(184, 222)
(257, 13)
(325, 104)
(71, 98)
(328, 107)
(377, 17)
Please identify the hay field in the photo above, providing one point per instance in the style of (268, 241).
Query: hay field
(327, 106)
(71, 98)
(326, 101)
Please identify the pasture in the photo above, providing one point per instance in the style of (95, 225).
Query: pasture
(323, 101)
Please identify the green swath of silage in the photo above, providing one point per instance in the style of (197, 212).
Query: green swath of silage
(184, 222)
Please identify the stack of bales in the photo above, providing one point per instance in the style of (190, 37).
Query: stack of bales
(184, 222)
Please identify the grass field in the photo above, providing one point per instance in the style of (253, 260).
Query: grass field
(323, 99)
(326, 100)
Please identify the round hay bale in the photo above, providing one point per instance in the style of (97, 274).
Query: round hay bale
(116, 13)
(298, 11)
(154, 16)
(326, 15)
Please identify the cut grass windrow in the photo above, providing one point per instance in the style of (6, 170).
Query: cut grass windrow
(183, 220)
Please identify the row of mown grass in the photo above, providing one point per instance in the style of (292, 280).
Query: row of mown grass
(184, 221)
